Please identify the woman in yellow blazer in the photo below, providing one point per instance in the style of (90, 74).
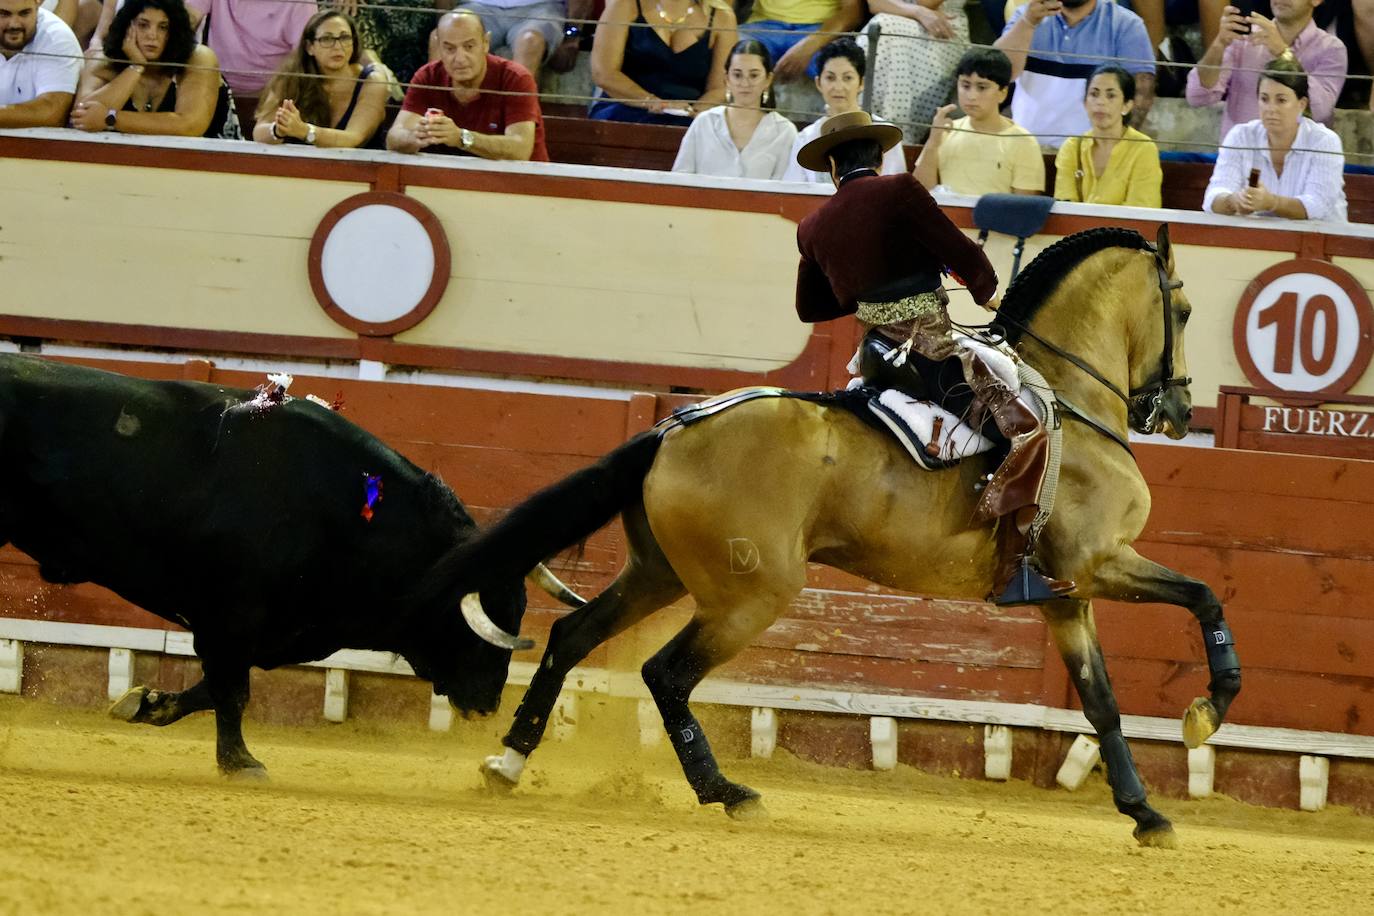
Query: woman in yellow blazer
(1112, 163)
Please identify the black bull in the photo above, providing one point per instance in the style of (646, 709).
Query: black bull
(244, 523)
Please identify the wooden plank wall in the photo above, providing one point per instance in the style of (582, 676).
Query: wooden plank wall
(1285, 541)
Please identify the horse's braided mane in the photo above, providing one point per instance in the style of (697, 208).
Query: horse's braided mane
(1034, 285)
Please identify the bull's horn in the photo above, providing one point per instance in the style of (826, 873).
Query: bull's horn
(481, 625)
(542, 577)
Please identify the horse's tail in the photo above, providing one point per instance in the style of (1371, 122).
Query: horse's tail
(556, 517)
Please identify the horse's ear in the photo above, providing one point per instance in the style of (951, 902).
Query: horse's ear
(1166, 251)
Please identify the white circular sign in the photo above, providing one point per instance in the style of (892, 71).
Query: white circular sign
(1303, 332)
(377, 263)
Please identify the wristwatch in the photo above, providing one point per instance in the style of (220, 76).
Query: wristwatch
(110, 119)
(465, 138)
(310, 134)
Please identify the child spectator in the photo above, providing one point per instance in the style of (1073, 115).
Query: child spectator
(982, 152)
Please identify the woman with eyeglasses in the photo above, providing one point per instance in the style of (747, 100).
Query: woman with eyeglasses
(323, 95)
(153, 78)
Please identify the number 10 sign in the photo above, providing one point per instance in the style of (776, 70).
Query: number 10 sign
(1304, 325)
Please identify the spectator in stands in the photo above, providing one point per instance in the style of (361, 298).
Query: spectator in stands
(40, 63)
(1298, 162)
(323, 94)
(841, 83)
(1112, 163)
(470, 101)
(534, 30)
(66, 10)
(795, 30)
(745, 137)
(664, 66)
(1230, 67)
(1054, 46)
(153, 78)
(919, 47)
(982, 152)
(251, 37)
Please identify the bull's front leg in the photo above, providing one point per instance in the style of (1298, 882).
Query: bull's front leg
(1131, 577)
(228, 685)
(159, 707)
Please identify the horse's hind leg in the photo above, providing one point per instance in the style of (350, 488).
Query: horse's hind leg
(674, 672)
(1075, 634)
(158, 707)
(647, 584)
(1131, 577)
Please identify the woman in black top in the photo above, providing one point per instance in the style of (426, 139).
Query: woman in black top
(323, 94)
(661, 61)
(154, 78)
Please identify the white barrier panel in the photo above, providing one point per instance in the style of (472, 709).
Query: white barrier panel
(996, 752)
(121, 673)
(335, 695)
(1083, 755)
(763, 731)
(11, 665)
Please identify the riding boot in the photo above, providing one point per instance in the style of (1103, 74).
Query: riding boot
(1014, 490)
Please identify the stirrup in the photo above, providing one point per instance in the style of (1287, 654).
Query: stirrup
(1030, 586)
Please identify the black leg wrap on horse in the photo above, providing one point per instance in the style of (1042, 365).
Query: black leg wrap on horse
(1222, 660)
(1127, 789)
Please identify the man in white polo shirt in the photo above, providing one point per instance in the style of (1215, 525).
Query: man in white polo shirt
(1054, 46)
(40, 62)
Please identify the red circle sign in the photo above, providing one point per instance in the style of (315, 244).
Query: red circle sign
(1304, 326)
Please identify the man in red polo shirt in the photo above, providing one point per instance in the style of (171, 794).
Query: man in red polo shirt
(470, 101)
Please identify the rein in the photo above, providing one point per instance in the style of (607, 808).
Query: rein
(1143, 403)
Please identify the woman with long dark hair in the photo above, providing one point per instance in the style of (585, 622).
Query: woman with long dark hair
(745, 137)
(323, 94)
(153, 78)
(1111, 163)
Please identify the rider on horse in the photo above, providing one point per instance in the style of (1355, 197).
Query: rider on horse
(877, 249)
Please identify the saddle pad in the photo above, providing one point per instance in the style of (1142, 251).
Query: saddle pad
(912, 422)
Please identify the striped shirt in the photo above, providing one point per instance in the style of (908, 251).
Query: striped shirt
(1312, 170)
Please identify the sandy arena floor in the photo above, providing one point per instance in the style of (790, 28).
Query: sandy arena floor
(100, 816)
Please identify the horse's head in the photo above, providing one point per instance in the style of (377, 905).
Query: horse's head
(1159, 400)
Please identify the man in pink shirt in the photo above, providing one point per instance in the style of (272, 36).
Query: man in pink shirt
(1244, 44)
(251, 37)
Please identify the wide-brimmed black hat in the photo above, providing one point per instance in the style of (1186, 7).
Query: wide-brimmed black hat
(842, 128)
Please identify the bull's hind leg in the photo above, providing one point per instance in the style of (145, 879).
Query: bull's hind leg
(1131, 577)
(1076, 636)
(709, 640)
(646, 584)
(160, 707)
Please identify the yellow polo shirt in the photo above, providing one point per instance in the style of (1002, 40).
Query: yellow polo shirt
(1133, 175)
(977, 163)
(798, 12)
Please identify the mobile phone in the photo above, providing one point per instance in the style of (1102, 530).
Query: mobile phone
(1245, 8)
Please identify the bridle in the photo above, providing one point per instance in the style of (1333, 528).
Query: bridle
(1143, 404)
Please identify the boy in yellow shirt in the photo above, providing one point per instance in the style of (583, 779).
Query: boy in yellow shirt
(982, 152)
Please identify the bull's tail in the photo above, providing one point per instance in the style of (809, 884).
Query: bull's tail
(557, 517)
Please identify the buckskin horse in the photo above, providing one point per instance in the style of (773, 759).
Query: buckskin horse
(731, 509)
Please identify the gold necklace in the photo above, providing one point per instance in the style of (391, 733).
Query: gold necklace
(678, 21)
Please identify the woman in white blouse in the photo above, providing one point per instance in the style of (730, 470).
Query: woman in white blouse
(1299, 162)
(745, 138)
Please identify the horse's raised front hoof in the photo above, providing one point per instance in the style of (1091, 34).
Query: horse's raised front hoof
(496, 782)
(1200, 722)
(248, 775)
(128, 706)
(1156, 836)
(749, 811)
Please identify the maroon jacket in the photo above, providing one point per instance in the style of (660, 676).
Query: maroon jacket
(873, 233)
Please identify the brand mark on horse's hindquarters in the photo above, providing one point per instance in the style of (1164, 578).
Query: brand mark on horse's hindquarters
(744, 556)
